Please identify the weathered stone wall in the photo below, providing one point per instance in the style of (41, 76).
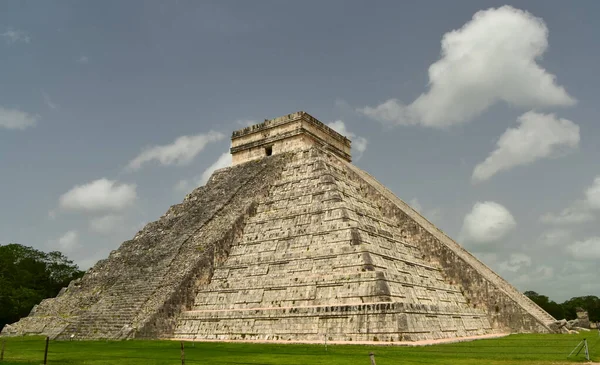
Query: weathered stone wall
(287, 133)
(507, 308)
(317, 249)
(296, 246)
(384, 321)
(142, 286)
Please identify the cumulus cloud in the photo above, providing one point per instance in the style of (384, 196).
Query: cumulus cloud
(486, 223)
(588, 249)
(415, 204)
(107, 224)
(580, 211)
(16, 119)
(99, 195)
(538, 136)
(188, 184)
(555, 237)
(492, 58)
(185, 185)
(592, 194)
(358, 143)
(181, 152)
(67, 243)
(13, 36)
(223, 161)
(516, 262)
(530, 277)
(433, 215)
(245, 122)
(577, 213)
(543, 272)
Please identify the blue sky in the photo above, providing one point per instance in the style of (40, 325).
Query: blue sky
(480, 115)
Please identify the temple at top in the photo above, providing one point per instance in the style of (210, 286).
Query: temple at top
(290, 132)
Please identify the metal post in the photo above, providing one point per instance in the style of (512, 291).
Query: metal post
(182, 354)
(372, 356)
(46, 351)
(325, 336)
(587, 352)
(576, 347)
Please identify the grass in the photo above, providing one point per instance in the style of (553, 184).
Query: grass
(514, 349)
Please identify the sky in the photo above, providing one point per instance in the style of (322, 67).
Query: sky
(480, 114)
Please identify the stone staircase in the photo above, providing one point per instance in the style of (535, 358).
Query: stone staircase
(291, 246)
(112, 317)
(320, 258)
(142, 286)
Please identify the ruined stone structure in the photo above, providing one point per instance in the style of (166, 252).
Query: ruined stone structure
(292, 242)
(290, 132)
(583, 319)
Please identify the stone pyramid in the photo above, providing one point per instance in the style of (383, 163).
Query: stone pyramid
(291, 243)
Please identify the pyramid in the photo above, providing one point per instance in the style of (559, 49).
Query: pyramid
(291, 243)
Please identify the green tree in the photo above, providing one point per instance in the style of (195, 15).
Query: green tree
(27, 276)
(568, 309)
(590, 303)
(553, 308)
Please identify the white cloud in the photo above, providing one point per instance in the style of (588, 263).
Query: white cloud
(223, 161)
(577, 213)
(83, 60)
(592, 194)
(580, 211)
(358, 143)
(488, 258)
(67, 243)
(188, 184)
(106, 224)
(433, 215)
(49, 101)
(99, 195)
(541, 273)
(181, 152)
(588, 249)
(515, 262)
(555, 237)
(245, 122)
(13, 36)
(16, 119)
(185, 185)
(492, 58)
(538, 136)
(486, 223)
(415, 204)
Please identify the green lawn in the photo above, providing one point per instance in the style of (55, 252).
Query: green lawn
(514, 349)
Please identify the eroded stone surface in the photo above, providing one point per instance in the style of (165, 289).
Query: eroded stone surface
(328, 254)
(298, 246)
(141, 287)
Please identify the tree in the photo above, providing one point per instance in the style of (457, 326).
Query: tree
(554, 309)
(568, 309)
(590, 303)
(27, 276)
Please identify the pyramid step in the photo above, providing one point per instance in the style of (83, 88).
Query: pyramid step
(293, 245)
